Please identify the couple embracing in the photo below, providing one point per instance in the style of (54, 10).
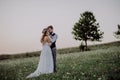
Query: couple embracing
(47, 61)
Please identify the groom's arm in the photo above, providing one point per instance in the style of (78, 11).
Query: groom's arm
(54, 38)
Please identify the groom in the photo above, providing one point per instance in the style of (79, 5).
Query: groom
(53, 37)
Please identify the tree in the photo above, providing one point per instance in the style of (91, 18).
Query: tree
(117, 33)
(87, 29)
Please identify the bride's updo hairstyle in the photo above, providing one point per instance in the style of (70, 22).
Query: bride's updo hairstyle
(44, 32)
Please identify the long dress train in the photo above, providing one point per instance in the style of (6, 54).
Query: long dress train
(45, 64)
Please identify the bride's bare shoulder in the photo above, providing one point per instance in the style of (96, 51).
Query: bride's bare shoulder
(46, 38)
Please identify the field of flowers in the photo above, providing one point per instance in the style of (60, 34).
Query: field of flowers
(99, 64)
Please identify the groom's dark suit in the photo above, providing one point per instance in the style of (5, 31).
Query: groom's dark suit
(53, 48)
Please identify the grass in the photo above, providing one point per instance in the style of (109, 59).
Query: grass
(102, 63)
(59, 51)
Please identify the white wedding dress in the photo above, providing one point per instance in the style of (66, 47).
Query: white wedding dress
(45, 63)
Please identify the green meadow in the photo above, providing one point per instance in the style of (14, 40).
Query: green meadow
(101, 62)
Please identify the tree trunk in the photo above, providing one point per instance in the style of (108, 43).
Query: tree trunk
(86, 44)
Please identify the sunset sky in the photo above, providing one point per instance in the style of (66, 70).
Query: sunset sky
(21, 21)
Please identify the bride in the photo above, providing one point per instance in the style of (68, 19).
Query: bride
(45, 64)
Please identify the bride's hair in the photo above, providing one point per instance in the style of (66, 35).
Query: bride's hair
(44, 34)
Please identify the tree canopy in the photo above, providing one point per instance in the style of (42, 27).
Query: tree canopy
(117, 33)
(87, 28)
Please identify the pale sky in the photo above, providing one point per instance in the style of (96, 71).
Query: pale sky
(21, 21)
